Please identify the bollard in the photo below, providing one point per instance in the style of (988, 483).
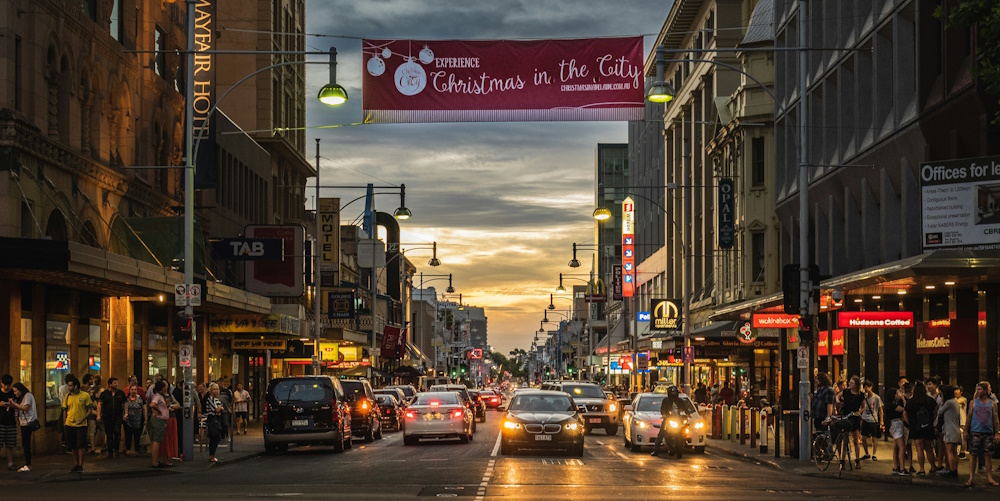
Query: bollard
(763, 430)
(734, 426)
(743, 426)
(753, 427)
(777, 432)
(717, 423)
(724, 422)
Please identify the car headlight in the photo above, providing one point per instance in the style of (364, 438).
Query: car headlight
(642, 425)
(674, 424)
(612, 407)
(510, 425)
(699, 425)
(572, 426)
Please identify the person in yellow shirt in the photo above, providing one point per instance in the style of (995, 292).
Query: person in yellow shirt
(77, 407)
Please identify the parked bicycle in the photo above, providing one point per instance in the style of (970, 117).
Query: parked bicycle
(833, 442)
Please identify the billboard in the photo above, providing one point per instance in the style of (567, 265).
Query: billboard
(961, 203)
(628, 247)
(411, 81)
(665, 314)
(278, 278)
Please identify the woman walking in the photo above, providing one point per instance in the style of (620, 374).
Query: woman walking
(213, 409)
(951, 431)
(919, 416)
(27, 417)
(133, 419)
(158, 421)
(983, 429)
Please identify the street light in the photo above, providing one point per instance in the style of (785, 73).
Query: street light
(332, 93)
(661, 91)
(602, 214)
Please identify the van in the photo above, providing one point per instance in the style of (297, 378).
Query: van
(306, 410)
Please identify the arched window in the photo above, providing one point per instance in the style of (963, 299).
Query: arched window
(56, 226)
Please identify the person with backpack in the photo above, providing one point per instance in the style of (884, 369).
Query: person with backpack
(982, 427)
(919, 416)
(821, 406)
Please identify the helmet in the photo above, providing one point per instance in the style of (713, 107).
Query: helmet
(672, 391)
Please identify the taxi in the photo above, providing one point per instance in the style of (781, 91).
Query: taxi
(642, 421)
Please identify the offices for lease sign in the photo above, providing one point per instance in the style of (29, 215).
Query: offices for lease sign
(961, 203)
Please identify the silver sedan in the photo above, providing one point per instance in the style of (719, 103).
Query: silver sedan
(437, 415)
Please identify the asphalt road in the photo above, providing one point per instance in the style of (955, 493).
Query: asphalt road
(388, 470)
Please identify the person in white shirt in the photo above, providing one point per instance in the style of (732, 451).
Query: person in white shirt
(241, 403)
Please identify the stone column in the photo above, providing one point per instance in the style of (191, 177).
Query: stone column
(86, 103)
(53, 81)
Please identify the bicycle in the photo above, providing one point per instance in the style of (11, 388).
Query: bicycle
(825, 447)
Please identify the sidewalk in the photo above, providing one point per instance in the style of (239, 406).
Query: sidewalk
(871, 471)
(55, 467)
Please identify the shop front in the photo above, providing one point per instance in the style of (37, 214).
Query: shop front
(735, 352)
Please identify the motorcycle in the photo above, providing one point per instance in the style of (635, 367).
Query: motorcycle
(677, 432)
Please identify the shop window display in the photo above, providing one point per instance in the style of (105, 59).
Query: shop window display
(58, 363)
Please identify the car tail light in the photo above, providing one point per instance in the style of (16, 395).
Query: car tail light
(493, 400)
(336, 412)
(263, 417)
(457, 413)
(411, 414)
(364, 405)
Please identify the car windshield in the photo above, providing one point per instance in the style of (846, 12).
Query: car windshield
(652, 403)
(437, 398)
(583, 391)
(301, 391)
(353, 388)
(385, 399)
(542, 403)
(408, 391)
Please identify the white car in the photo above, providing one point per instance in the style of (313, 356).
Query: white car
(437, 415)
(642, 421)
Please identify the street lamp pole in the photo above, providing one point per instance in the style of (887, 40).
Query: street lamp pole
(317, 276)
(187, 448)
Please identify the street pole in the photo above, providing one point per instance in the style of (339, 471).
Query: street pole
(318, 301)
(685, 265)
(187, 448)
(804, 292)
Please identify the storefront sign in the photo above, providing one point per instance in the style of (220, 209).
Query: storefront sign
(393, 338)
(734, 343)
(340, 303)
(329, 235)
(961, 203)
(775, 321)
(875, 319)
(259, 344)
(252, 324)
(411, 81)
(616, 282)
(248, 249)
(747, 334)
(666, 314)
(823, 343)
(727, 207)
(279, 278)
(628, 247)
(948, 336)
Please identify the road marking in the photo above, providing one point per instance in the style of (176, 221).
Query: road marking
(481, 492)
(496, 448)
(600, 443)
(623, 456)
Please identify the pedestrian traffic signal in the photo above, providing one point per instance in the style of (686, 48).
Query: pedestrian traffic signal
(182, 330)
(805, 329)
(464, 369)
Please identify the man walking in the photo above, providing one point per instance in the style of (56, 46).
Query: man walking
(77, 407)
(241, 399)
(8, 425)
(111, 411)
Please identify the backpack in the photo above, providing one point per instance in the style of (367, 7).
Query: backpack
(923, 419)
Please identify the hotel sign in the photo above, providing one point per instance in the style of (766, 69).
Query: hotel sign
(329, 234)
(775, 321)
(875, 319)
(665, 314)
(628, 247)
(727, 207)
(206, 172)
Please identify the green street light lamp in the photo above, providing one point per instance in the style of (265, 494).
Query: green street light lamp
(661, 91)
(333, 93)
(602, 214)
(402, 213)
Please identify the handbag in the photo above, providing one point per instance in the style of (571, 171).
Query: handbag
(144, 437)
(33, 426)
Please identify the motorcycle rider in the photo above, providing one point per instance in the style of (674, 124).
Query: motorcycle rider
(670, 405)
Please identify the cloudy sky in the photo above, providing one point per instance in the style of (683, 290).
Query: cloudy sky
(504, 201)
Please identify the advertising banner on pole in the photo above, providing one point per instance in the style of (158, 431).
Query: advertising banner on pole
(727, 207)
(961, 203)
(412, 81)
(628, 247)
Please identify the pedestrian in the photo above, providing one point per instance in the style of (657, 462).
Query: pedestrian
(919, 416)
(213, 412)
(77, 407)
(838, 395)
(963, 407)
(226, 397)
(8, 422)
(821, 406)
(158, 421)
(62, 392)
(98, 437)
(111, 412)
(950, 424)
(726, 394)
(27, 416)
(134, 417)
(241, 400)
(983, 429)
(897, 430)
(715, 393)
(176, 422)
(852, 401)
(87, 386)
(872, 420)
(933, 385)
(700, 395)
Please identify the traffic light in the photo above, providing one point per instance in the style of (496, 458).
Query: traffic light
(464, 369)
(791, 289)
(454, 372)
(182, 330)
(805, 329)
(569, 368)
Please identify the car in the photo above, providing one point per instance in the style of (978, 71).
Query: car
(542, 419)
(493, 399)
(642, 421)
(601, 412)
(394, 391)
(463, 392)
(408, 390)
(392, 410)
(438, 414)
(306, 410)
(479, 405)
(366, 417)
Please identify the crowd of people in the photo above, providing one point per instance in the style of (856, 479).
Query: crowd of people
(926, 419)
(94, 417)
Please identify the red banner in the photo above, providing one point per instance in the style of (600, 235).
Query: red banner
(503, 81)
(948, 336)
(392, 339)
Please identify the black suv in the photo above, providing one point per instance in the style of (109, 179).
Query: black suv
(306, 410)
(366, 417)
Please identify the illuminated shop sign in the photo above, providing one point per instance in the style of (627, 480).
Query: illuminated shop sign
(875, 319)
(666, 314)
(948, 336)
(775, 321)
(628, 247)
(823, 343)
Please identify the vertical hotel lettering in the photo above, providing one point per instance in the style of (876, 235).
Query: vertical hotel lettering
(628, 247)
(204, 70)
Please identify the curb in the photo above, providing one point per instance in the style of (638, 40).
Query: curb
(146, 472)
(746, 457)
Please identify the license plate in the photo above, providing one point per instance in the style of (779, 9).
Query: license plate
(300, 422)
(544, 438)
(595, 420)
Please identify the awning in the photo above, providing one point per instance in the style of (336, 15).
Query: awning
(406, 372)
(361, 371)
(718, 329)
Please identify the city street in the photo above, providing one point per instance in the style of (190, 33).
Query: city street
(388, 470)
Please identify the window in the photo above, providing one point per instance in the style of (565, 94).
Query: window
(160, 59)
(25, 366)
(89, 8)
(757, 160)
(117, 27)
(58, 363)
(757, 256)
(18, 62)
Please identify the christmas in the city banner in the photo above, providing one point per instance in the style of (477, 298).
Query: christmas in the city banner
(409, 81)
